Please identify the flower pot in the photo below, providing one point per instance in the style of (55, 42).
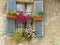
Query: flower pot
(12, 16)
(38, 18)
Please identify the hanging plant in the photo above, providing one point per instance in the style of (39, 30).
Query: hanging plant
(17, 36)
(28, 34)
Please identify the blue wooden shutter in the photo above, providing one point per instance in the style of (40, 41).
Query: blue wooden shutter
(39, 28)
(11, 5)
(10, 26)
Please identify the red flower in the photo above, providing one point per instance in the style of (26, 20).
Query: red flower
(21, 16)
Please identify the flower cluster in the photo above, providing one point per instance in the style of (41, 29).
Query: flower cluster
(20, 35)
(29, 33)
(23, 17)
(12, 13)
(28, 16)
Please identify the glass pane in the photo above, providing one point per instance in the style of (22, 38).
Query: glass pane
(29, 8)
(20, 7)
(18, 25)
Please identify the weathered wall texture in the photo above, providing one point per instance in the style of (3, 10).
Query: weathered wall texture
(2, 22)
(52, 25)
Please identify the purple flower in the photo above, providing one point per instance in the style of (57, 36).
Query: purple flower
(28, 16)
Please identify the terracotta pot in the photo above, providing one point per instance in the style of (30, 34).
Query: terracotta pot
(38, 18)
(12, 16)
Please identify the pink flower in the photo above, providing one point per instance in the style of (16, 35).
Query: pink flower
(28, 16)
(21, 16)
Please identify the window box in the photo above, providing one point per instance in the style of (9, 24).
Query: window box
(12, 16)
(38, 18)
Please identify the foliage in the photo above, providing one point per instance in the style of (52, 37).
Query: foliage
(36, 15)
(22, 17)
(12, 13)
(39, 14)
(28, 16)
(27, 35)
(17, 36)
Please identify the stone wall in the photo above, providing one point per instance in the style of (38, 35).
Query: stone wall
(52, 25)
(2, 21)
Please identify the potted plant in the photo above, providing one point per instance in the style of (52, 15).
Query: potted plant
(12, 15)
(28, 34)
(22, 35)
(38, 16)
(17, 36)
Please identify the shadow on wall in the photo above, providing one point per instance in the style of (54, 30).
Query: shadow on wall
(57, 0)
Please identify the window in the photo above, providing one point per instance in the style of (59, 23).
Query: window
(13, 24)
(23, 25)
(27, 9)
(18, 25)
